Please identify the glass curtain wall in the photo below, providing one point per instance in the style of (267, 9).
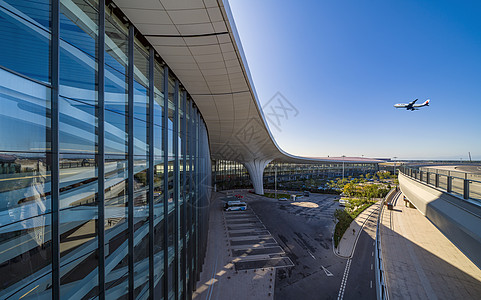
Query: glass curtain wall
(25, 148)
(230, 175)
(105, 168)
(233, 175)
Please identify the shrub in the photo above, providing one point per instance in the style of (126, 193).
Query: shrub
(346, 216)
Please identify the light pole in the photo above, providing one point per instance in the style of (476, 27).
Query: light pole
(343, 167)
(394, 167)
(275, 180)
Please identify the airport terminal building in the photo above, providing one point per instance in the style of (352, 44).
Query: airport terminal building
(117, 119)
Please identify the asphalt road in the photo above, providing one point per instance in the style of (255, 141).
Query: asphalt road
(304, 230)
(360, 283)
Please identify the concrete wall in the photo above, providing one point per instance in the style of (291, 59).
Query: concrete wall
(457, 219)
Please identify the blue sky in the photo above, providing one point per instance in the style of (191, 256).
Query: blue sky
(344, 64)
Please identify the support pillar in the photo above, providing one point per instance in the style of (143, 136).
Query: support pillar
(256, 171)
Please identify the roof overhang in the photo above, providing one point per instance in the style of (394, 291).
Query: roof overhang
(199, 42)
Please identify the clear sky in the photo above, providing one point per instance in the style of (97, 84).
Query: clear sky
(344, 64)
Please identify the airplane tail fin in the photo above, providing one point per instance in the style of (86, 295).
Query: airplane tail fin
(426, 102)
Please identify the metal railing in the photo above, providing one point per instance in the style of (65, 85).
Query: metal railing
(461, 184)
(381, 286)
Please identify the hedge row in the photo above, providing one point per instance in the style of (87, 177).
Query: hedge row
(344, 221)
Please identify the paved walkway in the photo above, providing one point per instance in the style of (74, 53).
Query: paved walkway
(349, 239)
(420, 262)
(219, 279)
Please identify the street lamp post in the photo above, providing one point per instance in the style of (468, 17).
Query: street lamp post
(275, 180)
(394, 167)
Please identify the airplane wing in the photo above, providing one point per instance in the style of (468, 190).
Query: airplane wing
(410, 104)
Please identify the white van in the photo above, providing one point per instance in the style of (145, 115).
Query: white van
(235, 205)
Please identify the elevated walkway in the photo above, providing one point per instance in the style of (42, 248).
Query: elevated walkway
(457, 218)
(420, 262)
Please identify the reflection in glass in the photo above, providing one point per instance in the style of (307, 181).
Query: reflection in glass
(141, 184)
(26, 255)
(158, 180)
(26, 26)
(116, 125)
(78, 146)
(23, 117)
(25, 161)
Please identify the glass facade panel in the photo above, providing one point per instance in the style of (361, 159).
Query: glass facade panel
(158, 184)
(26, 256)
(172, 199)
(26, 26)
(116, 148)
(23, 117)
(25, 193)
(83, 215)
(78, 106)
(141, 184)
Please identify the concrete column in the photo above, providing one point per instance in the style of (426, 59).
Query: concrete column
(256, 171)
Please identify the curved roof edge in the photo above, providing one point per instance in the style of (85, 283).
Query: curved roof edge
(244, 63)
(199, 41)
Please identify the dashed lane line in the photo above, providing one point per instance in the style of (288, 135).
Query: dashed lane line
(344, 280)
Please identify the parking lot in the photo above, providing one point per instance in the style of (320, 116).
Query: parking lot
(251, 245)
(304, 231)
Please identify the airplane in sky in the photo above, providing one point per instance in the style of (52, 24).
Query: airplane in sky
(411, 105)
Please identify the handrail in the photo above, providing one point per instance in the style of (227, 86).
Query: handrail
(381, 285)
(467, 188)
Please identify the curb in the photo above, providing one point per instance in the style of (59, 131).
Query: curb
(357, 238)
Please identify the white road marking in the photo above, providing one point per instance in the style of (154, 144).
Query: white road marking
(372, 253)
(371, 266)
(310, 254)
(329, 274)
(344, 280)
(371, 284)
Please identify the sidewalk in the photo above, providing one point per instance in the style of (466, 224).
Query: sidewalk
(219, 279)
(348, 242)
(420, 262)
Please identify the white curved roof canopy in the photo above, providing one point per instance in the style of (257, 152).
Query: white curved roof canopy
(199, 42)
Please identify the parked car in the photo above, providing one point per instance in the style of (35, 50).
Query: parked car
(235, 205)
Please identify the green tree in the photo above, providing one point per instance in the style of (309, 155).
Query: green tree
(349, 189)
(369, 191)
